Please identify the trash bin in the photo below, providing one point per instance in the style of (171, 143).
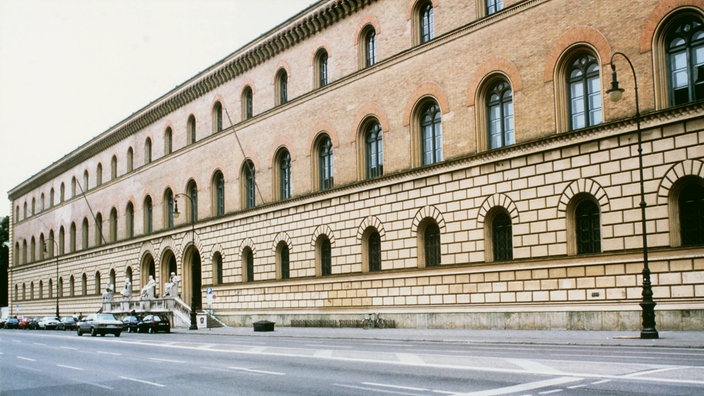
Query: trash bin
(202, 321)
(263, 325)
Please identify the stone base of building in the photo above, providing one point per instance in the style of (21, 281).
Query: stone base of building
(621, 320)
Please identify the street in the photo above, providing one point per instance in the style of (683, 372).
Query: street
(48, 362)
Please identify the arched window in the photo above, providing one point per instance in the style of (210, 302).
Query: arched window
(73, 187)
(42, 203)
(247, 103)
(219, 193)
(50, 289)
(98, 229)
(84, 285)
(32, 251)
(283, 168)
(587, 224)
(249, 186)
(429, 254)
(72, 238)
(369, 47)
(499, 236)
(34, 206)
(147, 151)
(86, 181)
(324, 255)
(41, 289)
(168, 141)
(62, 192)
(684, 43)
(52, 197)
(217, 268)
(97, 283)
(61, 286)
(691, 214)
(113, 168)
(113, 225)
(71, 286)
(148, 215)
(248, 264)
(129, 220)
(282, 258)
(62, 238)
(84, 234)
(191, 129)
(321, 70)
(217, 117)
(426, 24)
(374, 153)
(431, 133)
(168, 208)
(325, 163)
(281, 87)
(98, 176)
(499, 110)
(43, 248)
(192, 189)
(371, 250)
(130, 159)
(24, 252)
(584, 91)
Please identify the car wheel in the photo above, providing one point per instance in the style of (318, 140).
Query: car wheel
(93, 333)
(117, 334)
(150, 331)
(78, 331)
(102, 334)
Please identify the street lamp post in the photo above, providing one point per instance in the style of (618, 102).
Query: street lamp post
(647, 304)
(53, 242)
(193, 326)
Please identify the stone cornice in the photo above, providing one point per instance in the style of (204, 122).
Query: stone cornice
(308, 22)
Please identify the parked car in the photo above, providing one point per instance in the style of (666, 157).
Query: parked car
(99, 324)
(34, 324)
(129, 323)
(69, 322)
(49, 323)
(12, 323)
(2, 322)
(154, 324)
(24, 323)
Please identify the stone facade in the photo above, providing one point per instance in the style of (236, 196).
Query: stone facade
(537, 181)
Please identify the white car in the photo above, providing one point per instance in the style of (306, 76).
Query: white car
(99, 324)
(49, 323)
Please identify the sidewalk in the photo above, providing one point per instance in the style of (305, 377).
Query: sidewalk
(672, 339)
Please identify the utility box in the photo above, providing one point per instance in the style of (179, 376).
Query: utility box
(263, 325)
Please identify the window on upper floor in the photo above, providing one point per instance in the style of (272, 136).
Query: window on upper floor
(499, 111)
(584, 91)
(62, 192)
(283, 174)
(430, 119)
(217, 268)
(493, 6)
(72, 238)
(98, 175)
(84, 234)
(218, 194)
(168, 141)
(321, 69)
(147, 150)
(685, 59)
(281, 87)
(73, 187)
(249, 186)
(113, 225)
(192, 191)
(426, 22)
(113, 168)
(247, 103)
(217, 117)
(373, 149)
(130, 160)
(99, 229)
(369, 46)
(129, 220)
(168, 208)
(148, 215)
(191, 129)
(86, 181)
(324, 155)
(62, 240)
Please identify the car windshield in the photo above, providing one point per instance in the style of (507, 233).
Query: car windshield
(105, 317)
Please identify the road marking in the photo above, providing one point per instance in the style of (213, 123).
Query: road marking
(143, 381)
(534, 367)
(248, 370)
(550, 391)
(69, 367)
(109, 353)
(600, 382)
(28, 368)
(410, 388)
(375, 390)
(523, 387)
(323, 353)
(69, 348)
(101, 386)
(410, 358)
(167, 360)
(38, 343)
(650, 371)
(26, 358)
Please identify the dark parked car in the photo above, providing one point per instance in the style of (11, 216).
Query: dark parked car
(129, 323)
(12, 323)
(154, 324)
(69, 322)
(99, 324)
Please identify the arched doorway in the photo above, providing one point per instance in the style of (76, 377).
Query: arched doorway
(192, 293)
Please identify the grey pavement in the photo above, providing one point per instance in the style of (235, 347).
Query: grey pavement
(672, 339)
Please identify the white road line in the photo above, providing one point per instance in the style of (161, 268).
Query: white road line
(38, 343)
(100, 386)
(109, 353)
(248, 370)
(551, 391)
(410, 358)
(28, 368)
(535, 367)
(167, 360)
(638, 373)
(323, 353)
(69, 348)
(375, 390)
(143, 381)
(69, 367)
(408, 388)
(26, 358)
(523, 387)
(600, 382)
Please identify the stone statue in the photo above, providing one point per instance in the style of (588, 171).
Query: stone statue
(171, 288)
(148, 290)
(127, 290)
(107, 296)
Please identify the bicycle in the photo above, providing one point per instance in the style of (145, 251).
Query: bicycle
(373, 320)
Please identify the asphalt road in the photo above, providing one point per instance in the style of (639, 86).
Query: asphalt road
(60, 363)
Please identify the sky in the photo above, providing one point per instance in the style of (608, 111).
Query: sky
(71, 69)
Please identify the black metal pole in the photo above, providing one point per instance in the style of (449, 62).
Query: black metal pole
(194, 325)
(647, 304)
(57, 286)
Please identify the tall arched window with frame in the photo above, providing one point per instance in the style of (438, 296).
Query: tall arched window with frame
(431, 134)
(584, 91)
(374, 152)
(499, 109)
(685, 59)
